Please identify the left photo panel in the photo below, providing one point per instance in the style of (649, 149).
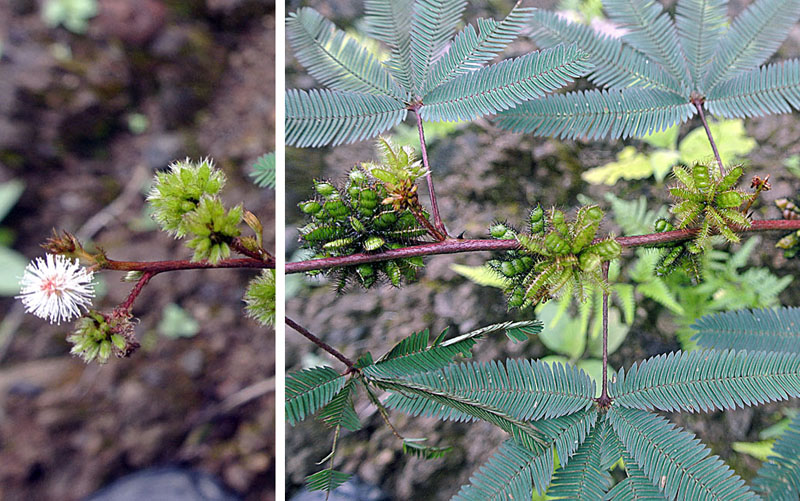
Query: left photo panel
(137, 244)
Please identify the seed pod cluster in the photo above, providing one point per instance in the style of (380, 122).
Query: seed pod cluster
(677, 256)
(707, 200)
(357, 218)
(557, 252)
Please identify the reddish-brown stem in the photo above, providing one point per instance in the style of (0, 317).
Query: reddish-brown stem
(454, 246)
(322, 344)
(604, 401)
(260, 254)
(698, 103)
(183, 264)
(437, 219)
(137, 289)
(421, 219)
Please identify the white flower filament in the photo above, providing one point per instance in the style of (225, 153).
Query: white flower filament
(56, 288)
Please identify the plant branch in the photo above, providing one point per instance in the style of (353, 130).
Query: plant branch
(698, 103)
(383, 412)
(184, 264)
(260, 253)
(137, 289)
(455, 246)
(322, 344)
(604, 401)
(437, 219)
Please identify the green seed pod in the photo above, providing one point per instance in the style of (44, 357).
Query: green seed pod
(559, 222)
(354, 192)
(498, 230)
(365, 271)
(701, 177)
(368, 194)
(730, 179)
(338, 243)
(594, 213)
(310, 207)
(527, 262)
(324, 188)
(663, 225)
(729, 199)
(357, 225)
(394, 273)
(516, 299)
(683, 176)
(556, 244)
(507, 269)
(589, 261)
(357, 177)
(337, 209)
(608, 249)
(537, 220)
(519, 266)
(665, 265)
(373, 243)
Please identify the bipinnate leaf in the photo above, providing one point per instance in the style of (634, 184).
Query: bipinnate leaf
(340, 411)
(707, 380)
(771, 89)
(673, 459)
(584, 477)
(779, 477)
(309, 389)
(334, 59)
(432, 26)
(700, 25)
(326, 480)
(528, 390)
(514, 472)
(322, 117)
(757, 330)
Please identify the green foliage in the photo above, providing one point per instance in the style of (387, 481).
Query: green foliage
(366, 97)
(326, 480)
(660, 68)
(779, 476)
(212, 228)
(707, 380)
(177, 322)
(96, 337)
(708, 201)
(556, 255)
(757, 330)
(263, 171)
(309, 390)
(365, 216)
(259, 298)
(74, 15)
(732, 143)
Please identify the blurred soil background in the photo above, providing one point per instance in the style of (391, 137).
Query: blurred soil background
(482, 174)
(87, 115)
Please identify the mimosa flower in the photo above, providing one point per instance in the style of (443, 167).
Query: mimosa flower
(56, 288)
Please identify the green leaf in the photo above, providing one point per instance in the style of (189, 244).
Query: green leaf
(177, 323)
(706, 380)
(631, 164)
(636, 486)
(471, 49)
(633, 216)
(263, 171)
(596, 114)
(482, 275)
(501, 86)
(779, 477)
(339, 411)
(413, 355)
(324, 117)
(753, 37)
(514, 472)
(10, 192)
(731, 137)
(513, 330)
(674, 459)
(432, 26)
(326, 480)
(390, 21)
(310, 389)
(561, 334)
(617, 66)
(757, 330)
(667, 139)
(700, 25)
(584, 477)
(759, 450)
(526, 390)
(771, 89)
(334, 59)
(415, 447)
(12, 267)
(650, 30)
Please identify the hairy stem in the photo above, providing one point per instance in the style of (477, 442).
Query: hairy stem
(604, 400)
(261, 254)
(322, 344)
(184, 264)
(698, 103)
(421, 219)
(437, 219)
(455, 246)
(137, 289)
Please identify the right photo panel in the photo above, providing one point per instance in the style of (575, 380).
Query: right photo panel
(542, 249)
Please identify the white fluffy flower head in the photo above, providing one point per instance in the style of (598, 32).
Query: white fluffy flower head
(56, 288)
